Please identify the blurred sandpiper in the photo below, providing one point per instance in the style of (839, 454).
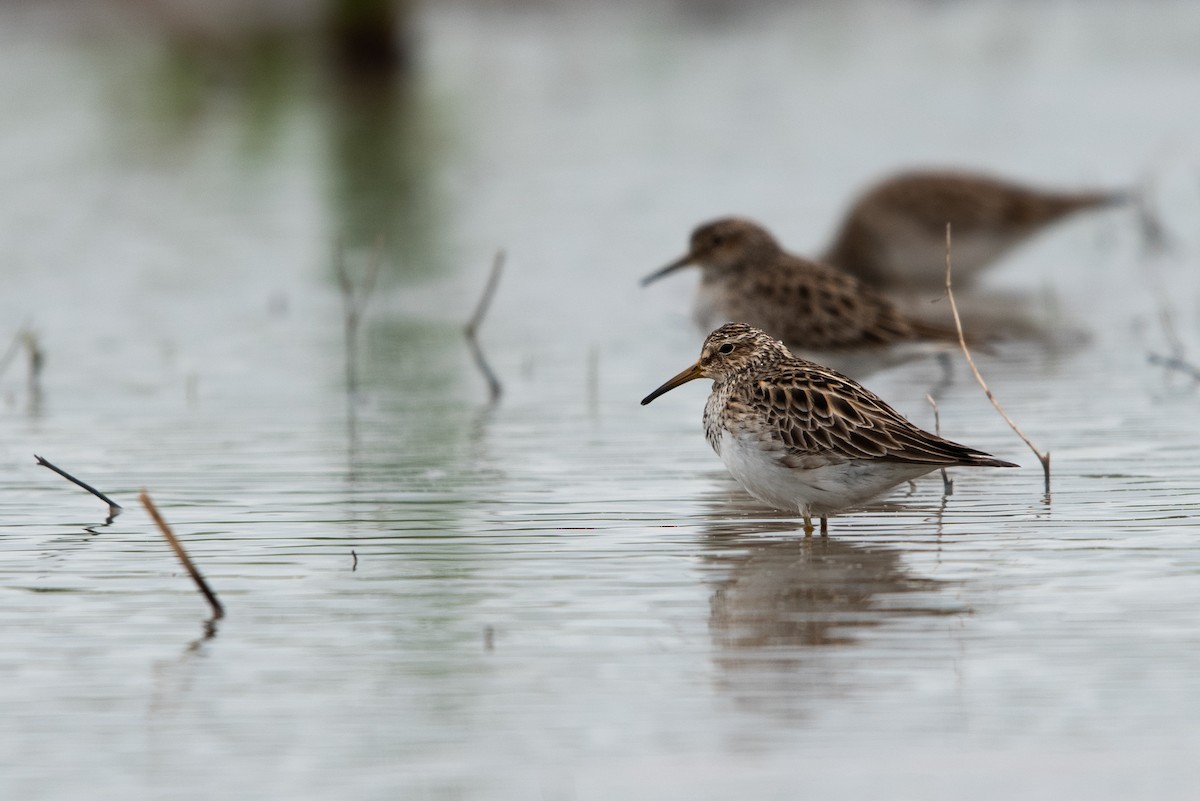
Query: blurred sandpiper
(894, 234)
(818, 310)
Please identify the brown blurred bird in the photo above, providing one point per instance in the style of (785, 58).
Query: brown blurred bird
(816, 309)
(894, 234)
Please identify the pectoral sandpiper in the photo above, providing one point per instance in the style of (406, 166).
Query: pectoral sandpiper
(803, 438)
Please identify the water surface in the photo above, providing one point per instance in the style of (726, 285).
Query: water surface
(562, 595)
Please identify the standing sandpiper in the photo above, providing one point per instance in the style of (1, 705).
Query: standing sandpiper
(894, 234)
(817, 310)
(803, 438)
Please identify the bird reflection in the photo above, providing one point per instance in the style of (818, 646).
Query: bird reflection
(804, 591)
(785, 607)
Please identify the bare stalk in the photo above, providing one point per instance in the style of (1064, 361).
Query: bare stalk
(114, 508)
(472, 329)
(177, 547)
(1044, 458)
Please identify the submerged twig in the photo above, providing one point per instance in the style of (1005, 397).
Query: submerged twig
(947, 482)
(354, 566)
(593, 381)
(36, 359)
(27, 339)
(14, 348)
(1167, 322)
(1175, 363)
(177, 547)
(1044, 458)
(1155, 238)
(472, 329)
(114, 508)
(355, 298)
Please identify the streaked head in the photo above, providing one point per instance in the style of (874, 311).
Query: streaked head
(730, 349)
(723, 244)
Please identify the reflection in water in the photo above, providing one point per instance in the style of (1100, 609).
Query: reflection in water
(209, 632)
(363, 36)
(472, 331)
(785, 605)
(804, 591)
(26, 340)
(383, 141)
(356, 294)
(381, 164)
(172, 691)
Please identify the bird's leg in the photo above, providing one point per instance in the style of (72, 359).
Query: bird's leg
(808, 526)
(824, 525)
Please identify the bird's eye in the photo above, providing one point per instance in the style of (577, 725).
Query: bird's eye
(726, 348)
(717, 240)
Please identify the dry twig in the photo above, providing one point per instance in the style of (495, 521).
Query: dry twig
(1044, 458)
(177, 547)
(114, 508)
(472, 329)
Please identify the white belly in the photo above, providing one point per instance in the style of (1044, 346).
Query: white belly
(818, 491)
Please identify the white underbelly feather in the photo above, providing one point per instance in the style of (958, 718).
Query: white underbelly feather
(819, 490)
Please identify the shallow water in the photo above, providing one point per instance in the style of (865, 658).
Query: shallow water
(563, 595)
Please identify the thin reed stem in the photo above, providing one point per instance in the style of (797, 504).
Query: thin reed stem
(177, 547)
(1044, 458)
(472, 329)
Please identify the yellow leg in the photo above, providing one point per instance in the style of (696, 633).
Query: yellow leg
(808, 526)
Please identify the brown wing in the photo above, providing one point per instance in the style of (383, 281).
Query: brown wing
(969, 200)
(812, 306)
(922, 202)
(814, 416)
